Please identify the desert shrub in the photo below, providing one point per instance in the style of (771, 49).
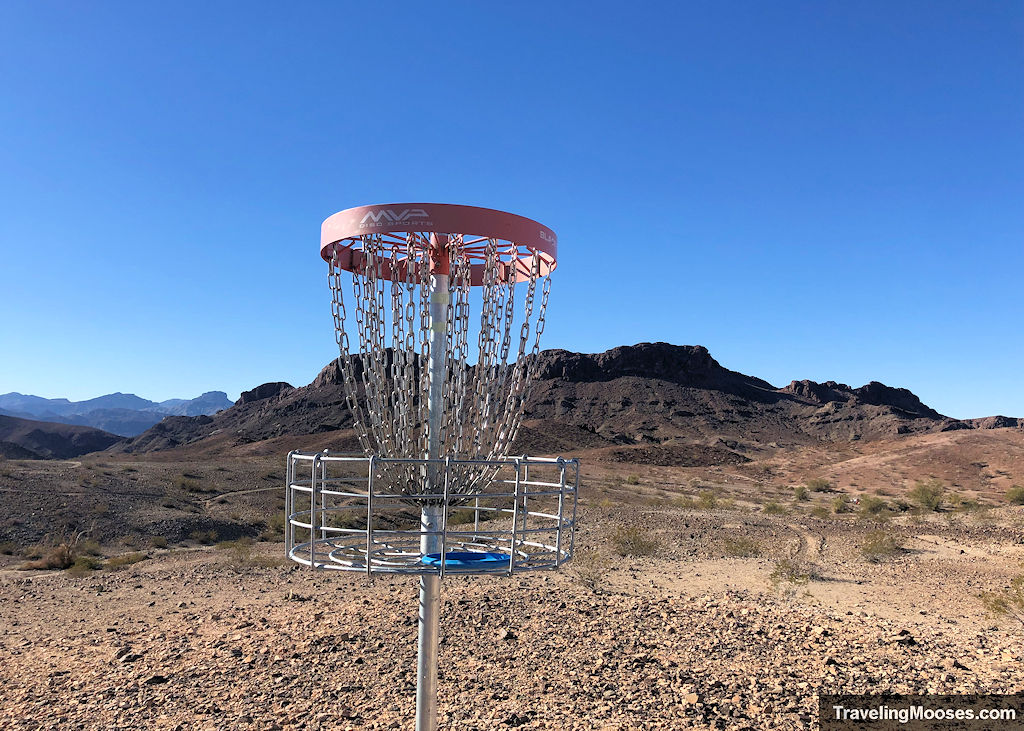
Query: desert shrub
(632, 541)
(929, 495)
(874, 506)
(83, 565)
(818, 484)
(462, 516)
(60, 556)
(125, 559)
(841, 504)
(773, 508)
(240, 555)
(128, 469)
(790, 573)
(1015, 495)
(685, 501)
(206, 537)
(90, 548)
(275, 528)
(726, 503)
(632, 480)
(707, 500)
(158, 542)
(589, 569)
(187, 484)
(880, 546)
(1008, 602)
(741, 547)
(800, 492)
(820, 511)
(8, 548)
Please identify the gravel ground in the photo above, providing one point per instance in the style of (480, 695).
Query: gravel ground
(196, 639)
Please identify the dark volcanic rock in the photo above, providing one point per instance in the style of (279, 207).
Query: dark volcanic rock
(267, 390)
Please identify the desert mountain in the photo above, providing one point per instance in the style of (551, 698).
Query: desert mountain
(124, 414)
(652, 402)
(26, 439)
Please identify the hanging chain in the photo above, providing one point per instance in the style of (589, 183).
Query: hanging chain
(483, 404)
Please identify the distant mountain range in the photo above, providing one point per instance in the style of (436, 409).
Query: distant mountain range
(652, 402)
(124, 414)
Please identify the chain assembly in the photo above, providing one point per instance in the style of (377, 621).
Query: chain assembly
(387, 384)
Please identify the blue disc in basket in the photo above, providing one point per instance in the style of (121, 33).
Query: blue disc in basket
(466, 559)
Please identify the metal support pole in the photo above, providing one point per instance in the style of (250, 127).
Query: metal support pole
(432, 516)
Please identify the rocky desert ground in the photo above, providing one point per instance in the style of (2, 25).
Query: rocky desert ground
(724, 596)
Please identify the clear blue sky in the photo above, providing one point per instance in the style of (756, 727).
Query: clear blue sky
(824, 190)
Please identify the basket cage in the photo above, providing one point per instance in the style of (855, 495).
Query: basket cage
(500, 515)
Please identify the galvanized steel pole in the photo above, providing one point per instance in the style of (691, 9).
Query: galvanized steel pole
(431, 516)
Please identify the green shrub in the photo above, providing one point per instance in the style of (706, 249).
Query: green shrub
(820, 511)
(841, 504)
(158, 542)
(773, 508)
(800, 493)
(929, 495)
(818, 484)
(632, 541)
(873, 506)
(83, 565)
(187, 484)
(632, 480)
(125, 559)
(707, 500)
(880, 546)
(1015, 495)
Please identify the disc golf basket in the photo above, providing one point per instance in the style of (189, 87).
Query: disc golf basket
(435, 491)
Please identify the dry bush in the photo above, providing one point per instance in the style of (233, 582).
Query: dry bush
(206, 537)
(158, 542)
(707, 500)
(240, 555)
(741, 547)
(632, 541)
(275, 528)
(8, 548)
(58, 557)
(800, 492)
(1015, 495)
(60, 553)
(773, 508)
(590, 568)
(632, 480)
(820, 511)
(929, 495)
(818, 484)
(791, 573)
(1008, 602)
(880, 546)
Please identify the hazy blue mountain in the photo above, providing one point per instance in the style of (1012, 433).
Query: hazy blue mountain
(209, 403)
(124, 414)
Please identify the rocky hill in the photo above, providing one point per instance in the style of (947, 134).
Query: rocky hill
(26, 439)
(661, 403)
